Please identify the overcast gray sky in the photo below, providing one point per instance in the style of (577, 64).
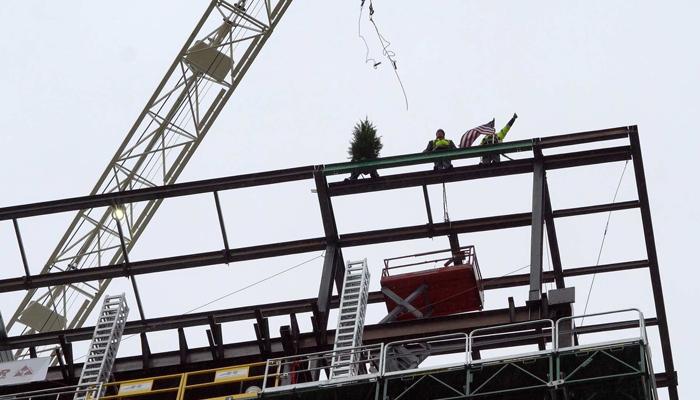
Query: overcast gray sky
(77, 74)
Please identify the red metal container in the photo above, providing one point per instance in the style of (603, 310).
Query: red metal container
(451, 289)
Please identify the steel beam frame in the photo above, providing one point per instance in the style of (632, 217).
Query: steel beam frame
(292, 247)
(281, 308)
(654, 273)
(249, 352)
(480, 171)
(333, 241)
(537, 228)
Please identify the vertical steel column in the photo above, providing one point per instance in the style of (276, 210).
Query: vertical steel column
(537, 232)
(552, 238)
(331, 272)
(653, 262)
(325, 291)
(328, 217)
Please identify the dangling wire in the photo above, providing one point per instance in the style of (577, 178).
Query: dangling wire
(359, 33)
(602, 243)
(444, 204)
(385, 47)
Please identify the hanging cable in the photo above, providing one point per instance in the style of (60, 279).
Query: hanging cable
(375, 64)
(602, 242)
(446, 212)
(389, 54)
(322, 255)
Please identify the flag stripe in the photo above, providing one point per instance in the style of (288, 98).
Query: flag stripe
(470, 136)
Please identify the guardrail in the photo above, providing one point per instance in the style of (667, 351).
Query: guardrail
(291, 372)
(235, 381)
(90, 391)
(294, 369)
(503, 330)
(642, 325)
(428, 341)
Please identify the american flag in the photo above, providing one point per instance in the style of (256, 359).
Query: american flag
(470, 136)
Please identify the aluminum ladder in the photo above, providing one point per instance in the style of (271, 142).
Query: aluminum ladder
(351, 320)
(105, 343)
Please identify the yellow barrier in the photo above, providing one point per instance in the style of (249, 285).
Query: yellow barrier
(226, 383)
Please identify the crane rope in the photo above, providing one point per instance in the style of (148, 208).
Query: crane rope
(375, 64)
(389, 54)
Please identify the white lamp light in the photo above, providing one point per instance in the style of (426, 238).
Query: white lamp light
(118, 213)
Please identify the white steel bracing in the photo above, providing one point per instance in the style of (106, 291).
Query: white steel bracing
(176, 118)
(351, 320)
(105, 342)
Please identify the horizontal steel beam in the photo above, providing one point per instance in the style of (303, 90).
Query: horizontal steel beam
(178, 321)
(162, 264)
(549, 276)
(285, 248)
(155, 193)
(423, 158)
(478, 151)
(574, 212)
(249, 352)
(479, 171)
(666, 379)
(275, 309)
(585, 137)
(465, 226)
(306, 172)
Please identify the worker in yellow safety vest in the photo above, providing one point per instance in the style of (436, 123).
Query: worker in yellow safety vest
(496, 138)
(439, 144)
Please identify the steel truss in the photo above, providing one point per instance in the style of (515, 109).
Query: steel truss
(293, 341)
(173, 123)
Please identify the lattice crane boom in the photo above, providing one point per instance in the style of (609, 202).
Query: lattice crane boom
(156, 150)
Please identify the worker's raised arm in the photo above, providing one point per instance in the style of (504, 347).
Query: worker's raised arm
(502, 134)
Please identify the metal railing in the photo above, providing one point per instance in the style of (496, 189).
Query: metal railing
(466, 254)
(190, 384)
(287, 373)
(503, 332)
(294, 368)
(642, 325)
(90, 391)
(380, 355)
(428, 341)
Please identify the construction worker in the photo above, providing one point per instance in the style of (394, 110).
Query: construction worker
(496, 138)
(440, 144)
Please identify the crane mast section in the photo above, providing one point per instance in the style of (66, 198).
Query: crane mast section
(177, 117)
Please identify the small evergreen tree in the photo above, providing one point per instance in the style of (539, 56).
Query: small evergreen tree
(365, 144)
